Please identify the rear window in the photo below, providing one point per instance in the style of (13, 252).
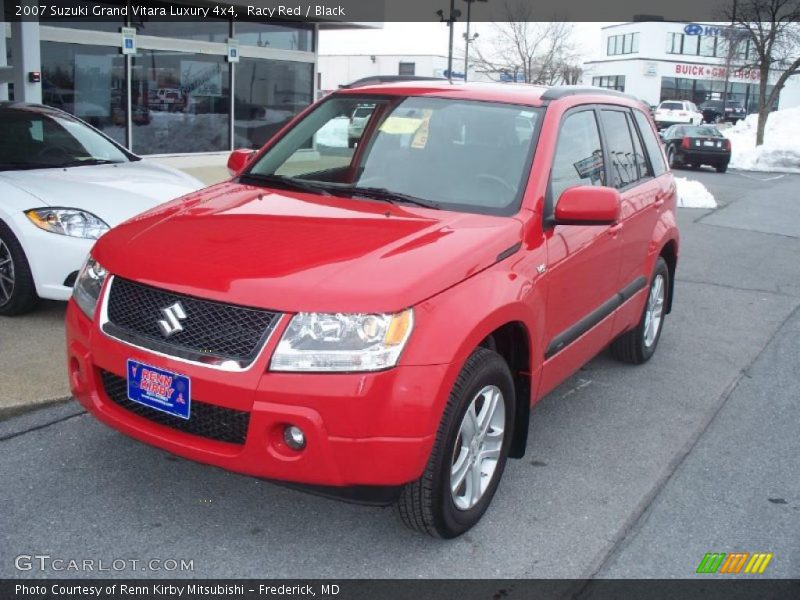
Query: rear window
(651, 143)
(671, 105)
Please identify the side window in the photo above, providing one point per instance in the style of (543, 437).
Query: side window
(579, 154)
(652, 144)
(638, 152)
(623, 169)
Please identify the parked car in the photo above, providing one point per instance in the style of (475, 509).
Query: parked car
(694, 146)
(62, 185)
(377, 326)
(676, 112)
(717, 111)
(358, 120)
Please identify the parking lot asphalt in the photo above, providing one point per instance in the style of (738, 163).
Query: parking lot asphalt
(630, 471)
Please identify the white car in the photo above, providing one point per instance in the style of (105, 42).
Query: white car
(358, 121)
(677, 112)
(62, 185)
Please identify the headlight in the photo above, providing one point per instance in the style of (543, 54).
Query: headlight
(68, 221)
(342, 342)
(88, 285)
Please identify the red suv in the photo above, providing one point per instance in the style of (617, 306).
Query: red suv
(374, 322)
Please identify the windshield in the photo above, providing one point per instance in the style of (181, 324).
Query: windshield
(451, 154)
(34, 140)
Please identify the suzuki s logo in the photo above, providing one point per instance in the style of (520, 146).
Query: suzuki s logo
(172, 323)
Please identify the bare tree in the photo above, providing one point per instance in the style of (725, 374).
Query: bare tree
(771, 30)
(571, 73)
(518, 46)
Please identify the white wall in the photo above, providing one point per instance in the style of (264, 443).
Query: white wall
(337, 70)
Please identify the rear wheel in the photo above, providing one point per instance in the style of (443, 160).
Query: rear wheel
(469, 454)
(638, 345)
(722, 168)
(17, 291)
(671, 157)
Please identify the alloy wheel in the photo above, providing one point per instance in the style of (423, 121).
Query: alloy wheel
(7, 277)
(477, 448)
(655, 311)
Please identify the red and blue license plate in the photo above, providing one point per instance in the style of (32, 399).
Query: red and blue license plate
(159, 389)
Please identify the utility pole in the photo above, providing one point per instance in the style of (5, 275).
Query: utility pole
(467, 39)
(733, 43)
(450, 20)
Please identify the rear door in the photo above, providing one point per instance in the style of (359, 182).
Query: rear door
(632, 175)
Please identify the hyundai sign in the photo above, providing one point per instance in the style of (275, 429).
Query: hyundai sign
(697, 29)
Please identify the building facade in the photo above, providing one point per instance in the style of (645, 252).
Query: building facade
(336, 70)
(660, 60)
(189, 87)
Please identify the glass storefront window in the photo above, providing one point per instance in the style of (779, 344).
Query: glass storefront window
(267, 94)
(180, 102)
(275, 35)
(88, 82)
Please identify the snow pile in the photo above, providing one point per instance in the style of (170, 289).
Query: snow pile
(334, 133)
(781, 148)
(693, 194)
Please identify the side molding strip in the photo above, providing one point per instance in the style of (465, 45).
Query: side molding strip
(569, 335)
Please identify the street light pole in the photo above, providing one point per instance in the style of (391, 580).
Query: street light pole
(467, 39)
(450, 20)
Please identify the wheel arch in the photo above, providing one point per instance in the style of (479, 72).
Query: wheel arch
(669, 252)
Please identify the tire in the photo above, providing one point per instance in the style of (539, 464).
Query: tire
(17, 290)
(428, 505)
(721, 168)
(671, 158)
(694, 166)
(638, 345)
(718, 119)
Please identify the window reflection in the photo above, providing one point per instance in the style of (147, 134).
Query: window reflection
(268, 94)
(88, 82)
(183, 101)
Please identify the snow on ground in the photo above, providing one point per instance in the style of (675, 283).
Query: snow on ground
(781, 148)
(693, 194)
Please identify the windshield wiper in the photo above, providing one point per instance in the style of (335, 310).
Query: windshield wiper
(383, 194)
(88, 161)
(286, 182)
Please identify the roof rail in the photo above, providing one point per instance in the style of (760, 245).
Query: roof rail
(562, 91)
(378, 79)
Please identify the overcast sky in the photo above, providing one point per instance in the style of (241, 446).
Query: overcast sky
(430, 38)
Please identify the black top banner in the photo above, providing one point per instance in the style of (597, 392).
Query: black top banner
(369, 11)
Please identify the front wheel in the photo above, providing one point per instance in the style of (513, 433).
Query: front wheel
(638, 345)
(469, 453)
(17, 290)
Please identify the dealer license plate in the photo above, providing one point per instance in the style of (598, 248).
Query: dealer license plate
(162, 390)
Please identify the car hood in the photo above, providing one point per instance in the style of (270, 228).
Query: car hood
(303, 252)
(112, 192)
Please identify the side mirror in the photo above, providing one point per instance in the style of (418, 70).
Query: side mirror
(238, 160)
(588, 205)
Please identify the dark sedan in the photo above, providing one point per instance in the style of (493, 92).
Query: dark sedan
(717, 111)
(693, 146)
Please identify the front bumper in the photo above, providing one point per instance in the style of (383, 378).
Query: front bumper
(362, 429)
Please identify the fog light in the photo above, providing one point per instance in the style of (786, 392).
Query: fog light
(294, 437)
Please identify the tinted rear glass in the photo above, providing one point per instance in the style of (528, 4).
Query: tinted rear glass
(671, 105)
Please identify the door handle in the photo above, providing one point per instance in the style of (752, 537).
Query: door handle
(615, 229)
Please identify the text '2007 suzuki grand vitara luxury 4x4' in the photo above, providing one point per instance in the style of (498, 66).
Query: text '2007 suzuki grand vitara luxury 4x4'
(375, 319)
